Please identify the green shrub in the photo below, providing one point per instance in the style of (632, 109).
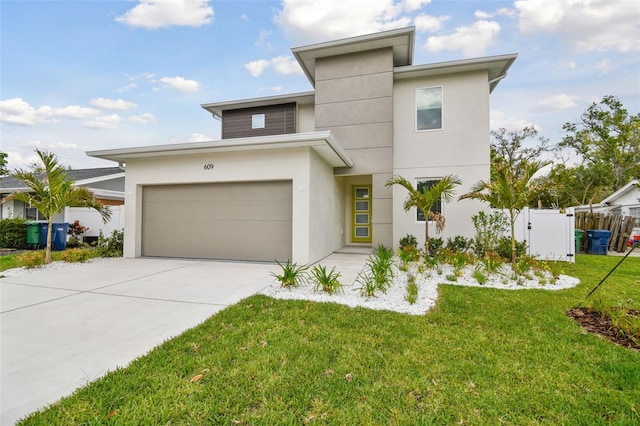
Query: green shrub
(78, 255)
(409, 254)
(31, 259)
(326, 281)
(435, 244)
(489, 229)
(408, 241)
(13, 233)
(504, 248)
(412, 290)
(459, 243)
(292, 275)
(479, 275)
(110, 246)
(377, 274)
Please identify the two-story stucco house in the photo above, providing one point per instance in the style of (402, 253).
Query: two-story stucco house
(299, 176)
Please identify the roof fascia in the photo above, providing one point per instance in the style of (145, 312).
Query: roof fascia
(401, 40)
(216, 108)
(319, 141)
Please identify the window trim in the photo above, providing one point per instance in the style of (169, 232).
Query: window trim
(258, 121)
(422, 179)
(415, 109)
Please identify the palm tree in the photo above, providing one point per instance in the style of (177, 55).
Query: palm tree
(443, 189)
(51, 191)
(511, 190)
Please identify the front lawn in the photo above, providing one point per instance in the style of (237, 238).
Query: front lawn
(481, 356)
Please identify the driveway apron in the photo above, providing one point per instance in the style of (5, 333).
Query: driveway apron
(62, 328)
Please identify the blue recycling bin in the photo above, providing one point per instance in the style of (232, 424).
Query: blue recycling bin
(598, 241)
(43, 234)
(59, 232)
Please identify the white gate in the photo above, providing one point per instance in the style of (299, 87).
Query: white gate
(549, 234)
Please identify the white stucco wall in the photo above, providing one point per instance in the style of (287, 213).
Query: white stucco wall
(260, 165)
(460, 148)
(326, 207)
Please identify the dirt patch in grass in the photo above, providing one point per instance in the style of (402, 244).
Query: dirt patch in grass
(600, 324)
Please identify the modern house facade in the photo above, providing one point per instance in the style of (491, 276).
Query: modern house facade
(299, 176)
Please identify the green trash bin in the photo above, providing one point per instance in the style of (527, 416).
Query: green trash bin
(33, 234)
(579, 236)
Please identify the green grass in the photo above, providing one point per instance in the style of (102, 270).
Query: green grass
(481, 356)
(10, 261)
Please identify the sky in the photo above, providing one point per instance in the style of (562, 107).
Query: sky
(87, 75)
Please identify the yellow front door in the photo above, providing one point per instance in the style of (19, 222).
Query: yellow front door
(361, 213)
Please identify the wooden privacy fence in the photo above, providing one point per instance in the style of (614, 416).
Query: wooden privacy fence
(620, 227)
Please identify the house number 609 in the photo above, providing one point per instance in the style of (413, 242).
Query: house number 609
(208, 166)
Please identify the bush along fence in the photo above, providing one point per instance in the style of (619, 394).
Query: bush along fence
(620, 227)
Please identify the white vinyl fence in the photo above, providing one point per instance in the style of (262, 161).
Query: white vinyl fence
(93, 220)
(549, 234)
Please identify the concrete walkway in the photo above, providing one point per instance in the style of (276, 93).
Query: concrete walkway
(69, 324)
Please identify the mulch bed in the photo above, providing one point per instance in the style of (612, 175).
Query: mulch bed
(597, 323)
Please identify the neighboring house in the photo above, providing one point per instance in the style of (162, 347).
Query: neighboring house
(107, 185)
(299, 176)
(625, 202)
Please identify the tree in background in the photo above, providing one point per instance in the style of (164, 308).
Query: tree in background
(607, 139)
(441, 190)
(510, 189)
(3, 164)
(513, 149)
(51, 191)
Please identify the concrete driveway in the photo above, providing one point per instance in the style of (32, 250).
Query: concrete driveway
(62, 328)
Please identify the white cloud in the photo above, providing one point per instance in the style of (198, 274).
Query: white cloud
(429, 23)
(119, 104)
(558, 102)
(181, 84)
(62, 145)
(308, 21)
(18, 111)
(604, 66)
(152, 14)
(127, 87)
(588, 25)
(104, 122)
(256, 68)
(262, 39)
(271, 89)
(501, 120)
(283, 65)
(198, 137)
(503, 11)
(411, 5)
(244, 17)
(145, 118)
(572, 64)
(472, 41)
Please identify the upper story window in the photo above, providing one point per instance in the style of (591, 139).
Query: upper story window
(257, 121)
(429, 108)
(437, 206)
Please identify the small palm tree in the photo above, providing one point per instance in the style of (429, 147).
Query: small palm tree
(51, 191)
(511, 190)
(443, 189)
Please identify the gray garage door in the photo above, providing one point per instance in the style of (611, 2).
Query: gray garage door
(243, 221)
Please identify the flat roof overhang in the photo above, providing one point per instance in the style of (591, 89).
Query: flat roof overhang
(216, 108)
(324, 143)
(399, 40)
(496, 66)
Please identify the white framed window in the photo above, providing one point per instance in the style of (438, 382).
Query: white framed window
(257, 121)
(437, 206)
(31, 213)
(429, 108)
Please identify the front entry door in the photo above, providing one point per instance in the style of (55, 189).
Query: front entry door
(361, 213)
